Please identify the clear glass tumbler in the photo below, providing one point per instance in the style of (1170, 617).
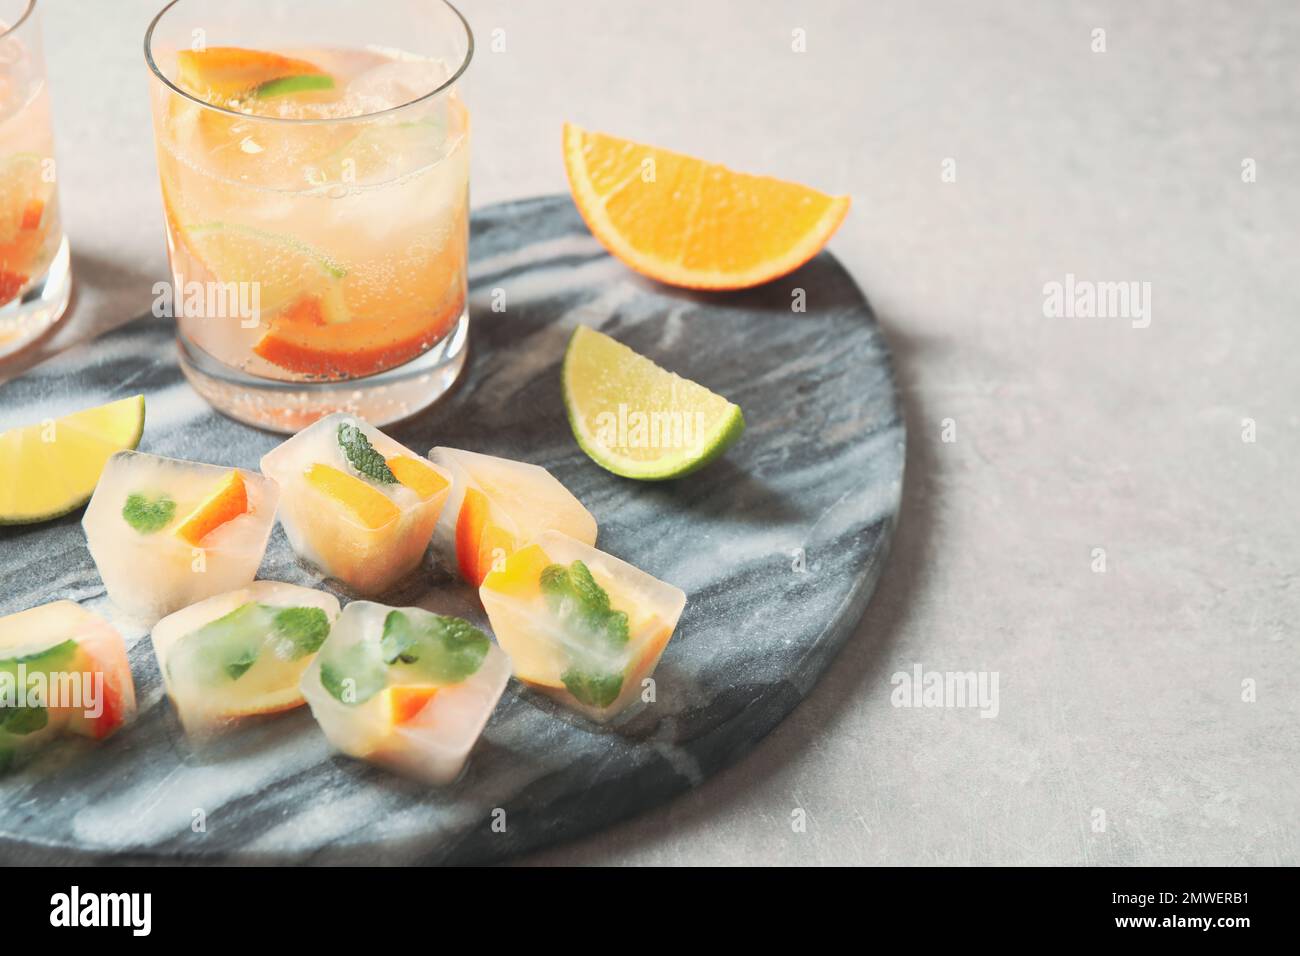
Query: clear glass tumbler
(314, 160)
(35, 280)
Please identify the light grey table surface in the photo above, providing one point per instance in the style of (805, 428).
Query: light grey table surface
(1126, 732)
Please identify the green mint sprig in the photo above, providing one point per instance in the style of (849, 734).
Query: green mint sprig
(362, 456)
(22, 721)
(445, 650)
(583, 608)
(148, 515)
(302, 629)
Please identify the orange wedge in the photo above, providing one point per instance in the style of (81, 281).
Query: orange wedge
(228, 501)
(228, 72)
(478, 540)
(303, 340)
(692, 223)
(407, 700)
(371, 508)
(416, 475)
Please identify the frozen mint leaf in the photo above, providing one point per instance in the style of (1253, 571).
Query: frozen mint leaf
(363, 457)
(57, 657)
(595, 690)
(555, 580)
(594, 598)
(304, 629)
(582, 606)
(355, 674)
(445, 650)
(615, 627)
(223, 649)
(147, 515)
(397, 639)
(238, 667)
(600, 632)
(21, 721)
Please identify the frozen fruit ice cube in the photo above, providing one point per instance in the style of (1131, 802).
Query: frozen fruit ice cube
(498, 505)
(580, 625)
(355, 503)
(405, 688)
(242, 653)
(63, 670)
(165, 533)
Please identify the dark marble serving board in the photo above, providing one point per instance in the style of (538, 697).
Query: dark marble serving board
(818, 471)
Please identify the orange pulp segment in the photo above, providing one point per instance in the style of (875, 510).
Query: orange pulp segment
(521, 578)
(407, 700)
(372, 509)
(32, 215)
(416, 475)
(11, 283)
(227, 502)
(478, 539)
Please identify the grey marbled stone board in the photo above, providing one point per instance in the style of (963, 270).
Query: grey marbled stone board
(819, 469)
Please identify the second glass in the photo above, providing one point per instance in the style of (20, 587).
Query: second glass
(35, 281)
(314, 160)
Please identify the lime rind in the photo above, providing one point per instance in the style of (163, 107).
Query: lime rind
(288, 85)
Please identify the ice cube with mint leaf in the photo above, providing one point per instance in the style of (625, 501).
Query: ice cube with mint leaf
(405, 688)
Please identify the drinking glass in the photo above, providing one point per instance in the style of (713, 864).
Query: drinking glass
(35, 279)
(314, 162)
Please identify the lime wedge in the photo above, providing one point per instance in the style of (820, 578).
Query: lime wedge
(51, 468)
(638, 420)
(287, 85)
(284, 268)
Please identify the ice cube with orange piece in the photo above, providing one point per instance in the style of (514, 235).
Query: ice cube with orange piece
(166, 533)
(405, 688)
(498, 505)
(63, 670)
(580, 625)
(356, 504)
(241, 654)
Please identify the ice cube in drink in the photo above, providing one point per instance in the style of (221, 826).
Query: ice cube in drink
(497, 505)
(580, 625)
(166, 533)
(355, 503)
(78, 664)
(241, 654)
(405, 688)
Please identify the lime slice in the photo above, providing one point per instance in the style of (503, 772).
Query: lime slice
(288, 85)
(638, 420)
(50, 469)
(284, 268)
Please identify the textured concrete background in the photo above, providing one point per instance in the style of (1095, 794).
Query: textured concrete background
(1122, 735)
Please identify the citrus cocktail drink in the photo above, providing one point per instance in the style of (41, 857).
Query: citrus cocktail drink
(34, 279)
(316, 206)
